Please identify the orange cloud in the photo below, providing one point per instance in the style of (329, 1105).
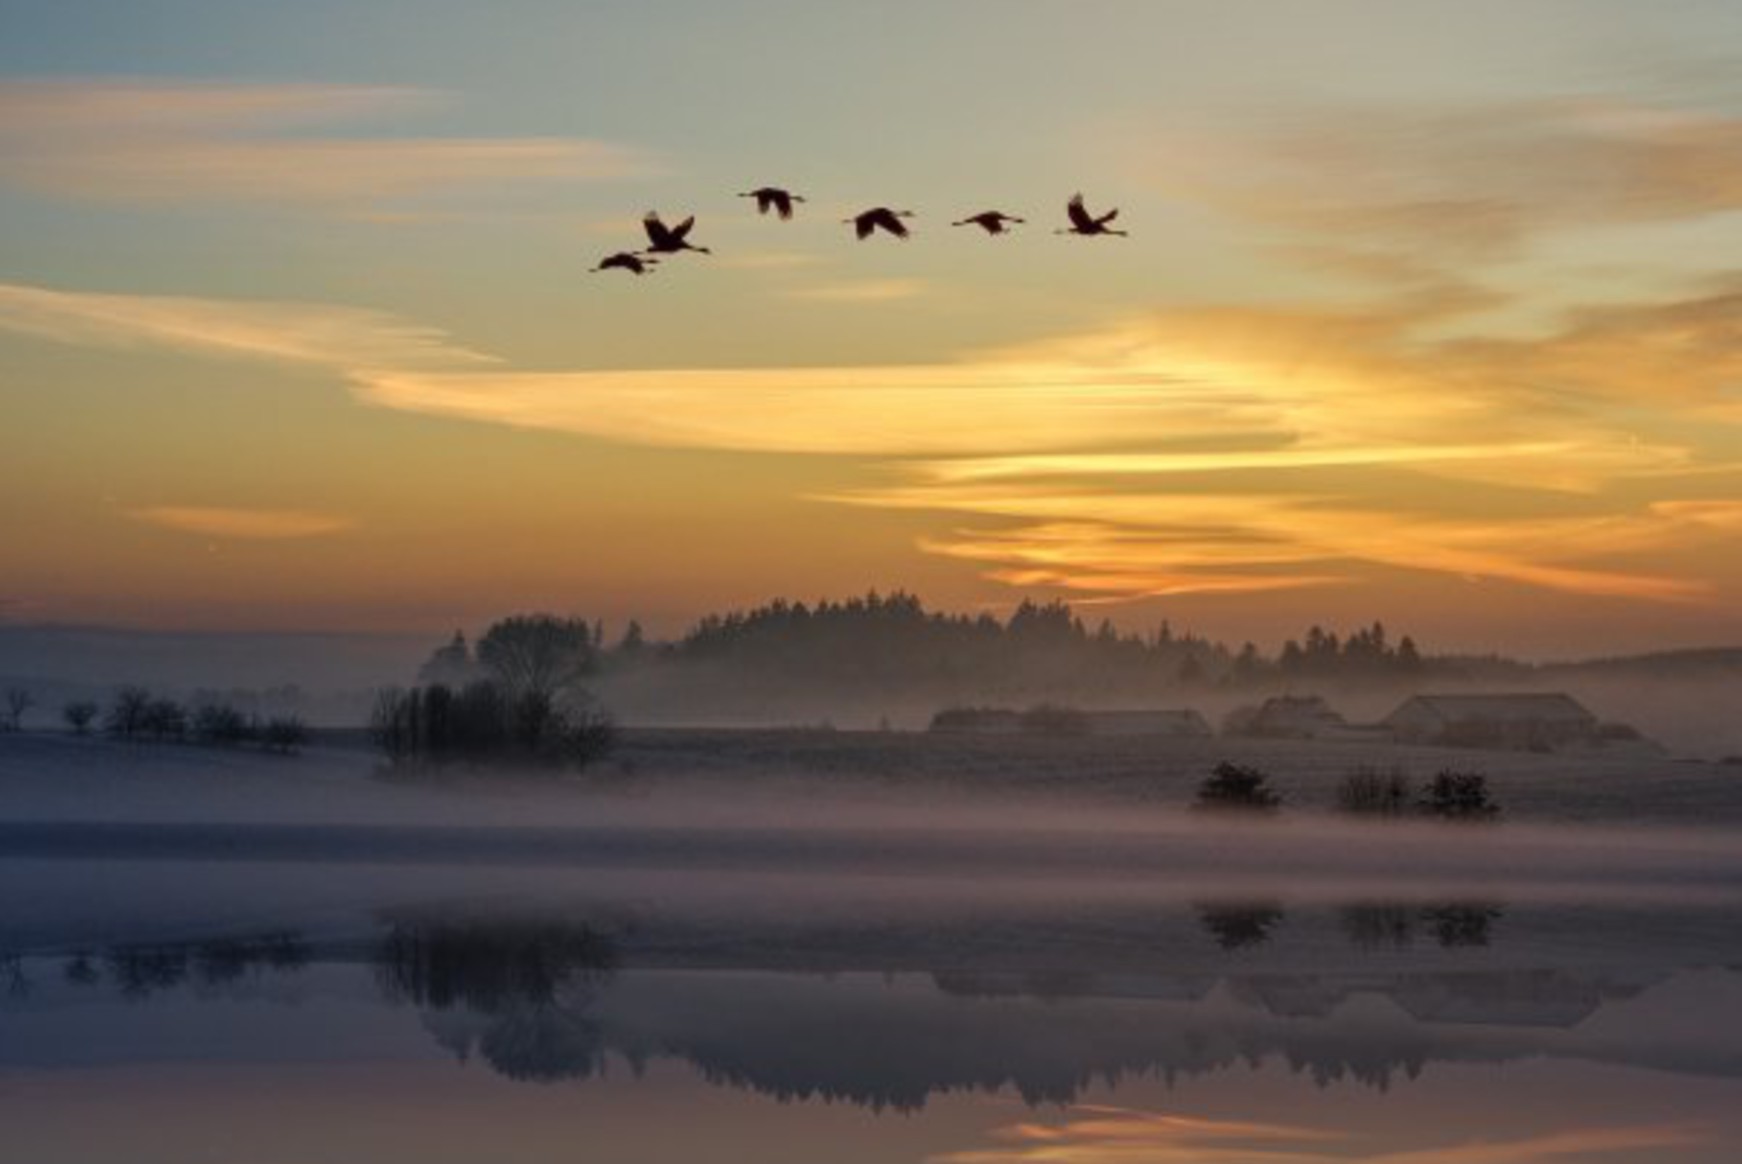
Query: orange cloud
(247, 524)
(1256, 533)
(1208, 450)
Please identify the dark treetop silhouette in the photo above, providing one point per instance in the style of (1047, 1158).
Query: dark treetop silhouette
(773, 198)
(880, 218)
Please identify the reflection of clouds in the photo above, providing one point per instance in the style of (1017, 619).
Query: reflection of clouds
(1106, 1135)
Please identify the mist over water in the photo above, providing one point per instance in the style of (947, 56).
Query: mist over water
(1047, 940)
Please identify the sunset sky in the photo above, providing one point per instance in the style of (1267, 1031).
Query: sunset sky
(1431, 312)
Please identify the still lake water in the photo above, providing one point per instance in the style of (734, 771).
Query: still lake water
(183, 1008)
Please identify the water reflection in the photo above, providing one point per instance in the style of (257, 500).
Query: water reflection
(490, 965)
(1102, 1135)
(140, 970)
(17, 985)
(1394, 925)
(1465, 924)
(1236, 925)
(514, 992)
(1369, 993)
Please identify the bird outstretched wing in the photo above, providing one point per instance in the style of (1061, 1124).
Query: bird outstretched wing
(890, 222)
(623, 261)
(683, 228)
(657, 232)
(1107, 217)
(1079, 216)
(864, 225)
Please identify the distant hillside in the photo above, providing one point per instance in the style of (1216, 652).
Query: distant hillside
(1703, 663)
(328, 678)
(98, 654)
(866, 660)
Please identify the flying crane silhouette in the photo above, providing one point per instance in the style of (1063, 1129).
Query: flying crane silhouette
(880, 218)
(990, 221)
(1082, 222)
(625, 261)
(669, 240)
(773, 198)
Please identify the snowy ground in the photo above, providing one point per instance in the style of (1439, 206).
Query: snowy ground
(53, 776)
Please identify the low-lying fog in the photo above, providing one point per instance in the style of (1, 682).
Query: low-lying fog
(99, 840)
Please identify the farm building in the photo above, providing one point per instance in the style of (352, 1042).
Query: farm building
(1170, 722)
(991, 721)
(1050, 720)
(1288, 717)
(1525, 720)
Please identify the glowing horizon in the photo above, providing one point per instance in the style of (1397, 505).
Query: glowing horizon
(1454, 347)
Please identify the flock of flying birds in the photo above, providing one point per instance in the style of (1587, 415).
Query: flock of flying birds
(671, 239)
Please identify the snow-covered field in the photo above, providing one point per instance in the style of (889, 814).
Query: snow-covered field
(53, 776)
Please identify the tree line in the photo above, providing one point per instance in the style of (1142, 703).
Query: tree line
(135, 715)
(519, 699)
(893, 642)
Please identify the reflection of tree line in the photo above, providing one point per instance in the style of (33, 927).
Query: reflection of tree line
(139, 970)
(521, 995)
(1235, 925)
(495, 966)
(531, 982)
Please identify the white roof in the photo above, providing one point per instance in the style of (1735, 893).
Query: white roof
(1534, 705)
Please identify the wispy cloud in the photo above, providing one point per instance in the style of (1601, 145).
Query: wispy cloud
(246, 524)
(1465, 181)
(1188, 451)
(342, 338)
(864, 291)
(135, 141)
(1135, 545)
(764, 260)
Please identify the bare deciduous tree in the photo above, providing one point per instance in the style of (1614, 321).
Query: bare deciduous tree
(78, 716)
(127, 715)
(539, 655)
(18, 701)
